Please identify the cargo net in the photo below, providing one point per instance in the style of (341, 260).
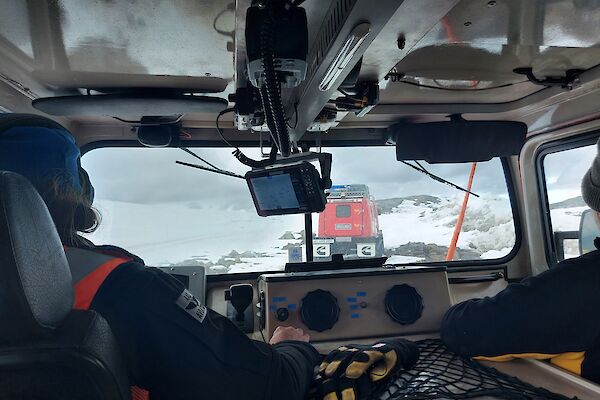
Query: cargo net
(441, 374)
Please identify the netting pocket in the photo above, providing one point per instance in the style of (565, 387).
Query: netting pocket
(441, 374)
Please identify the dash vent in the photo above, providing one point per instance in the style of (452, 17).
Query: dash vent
(337, 15)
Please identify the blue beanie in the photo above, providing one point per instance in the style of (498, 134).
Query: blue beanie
(41, 154)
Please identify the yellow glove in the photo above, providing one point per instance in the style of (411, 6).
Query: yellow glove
(351, 372)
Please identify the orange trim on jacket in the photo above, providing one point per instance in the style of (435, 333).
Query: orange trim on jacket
(571, 361)
(86, 289)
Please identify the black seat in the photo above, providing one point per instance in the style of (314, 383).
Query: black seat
(47, 350)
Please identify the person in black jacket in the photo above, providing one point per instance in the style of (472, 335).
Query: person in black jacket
(553, 315)
(174, 347)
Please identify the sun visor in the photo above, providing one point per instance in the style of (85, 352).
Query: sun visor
(119, 104)
(458, 141)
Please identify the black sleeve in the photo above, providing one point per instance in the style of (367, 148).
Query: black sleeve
(189, 352)
(297, 361)
(554, 312)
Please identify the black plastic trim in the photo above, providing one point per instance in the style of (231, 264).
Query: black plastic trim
(242, 276)
(218, 143)
(491, 277)
(552, 147)
(457, 270)
(306, 276)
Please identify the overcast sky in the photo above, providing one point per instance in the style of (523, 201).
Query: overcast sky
(149, 176)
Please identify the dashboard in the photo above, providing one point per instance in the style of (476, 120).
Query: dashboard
(344, 304)
(435, 286)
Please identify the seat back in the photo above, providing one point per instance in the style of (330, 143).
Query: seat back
(47, 350)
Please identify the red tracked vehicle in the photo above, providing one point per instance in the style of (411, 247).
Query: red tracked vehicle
(349, 225)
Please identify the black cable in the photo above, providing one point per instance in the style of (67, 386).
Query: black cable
(228, 110)
(348, 95)
(229, 34)
(199, 158)
(263, 336)
(241, 157)
(237, 153)
(274, 108)
(268, 119)
(461, 89)
(216, 171)
(422, 170)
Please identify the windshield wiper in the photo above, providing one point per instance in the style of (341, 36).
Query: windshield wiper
(213, 168)
(422, 170)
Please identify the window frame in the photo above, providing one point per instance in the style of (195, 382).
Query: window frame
(510, 187)
(553, 147)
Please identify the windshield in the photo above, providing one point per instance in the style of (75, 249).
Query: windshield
(171, 215)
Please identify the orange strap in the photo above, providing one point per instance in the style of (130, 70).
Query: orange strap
(86, 289)
(139, 393)
(461, 217)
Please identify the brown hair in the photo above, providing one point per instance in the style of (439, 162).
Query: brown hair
(71, 211)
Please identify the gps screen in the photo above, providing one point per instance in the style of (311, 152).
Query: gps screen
(275, 192)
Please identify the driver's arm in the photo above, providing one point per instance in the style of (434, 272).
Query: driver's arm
(178, 355)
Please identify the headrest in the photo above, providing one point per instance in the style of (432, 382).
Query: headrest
(41, 150)
(36, 293)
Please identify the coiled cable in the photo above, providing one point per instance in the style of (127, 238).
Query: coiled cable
(274, 106)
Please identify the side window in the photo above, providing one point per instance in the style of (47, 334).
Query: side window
(564, 167)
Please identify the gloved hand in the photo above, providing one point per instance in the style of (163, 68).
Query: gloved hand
(351, 372)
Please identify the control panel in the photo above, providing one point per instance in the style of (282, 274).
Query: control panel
(345, 304)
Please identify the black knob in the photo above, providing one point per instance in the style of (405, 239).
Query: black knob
(319, 310)
(403, 304)
(282, 314)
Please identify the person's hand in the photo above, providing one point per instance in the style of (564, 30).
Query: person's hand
(283, 333)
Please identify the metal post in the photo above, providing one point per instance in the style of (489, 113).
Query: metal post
(308, 239)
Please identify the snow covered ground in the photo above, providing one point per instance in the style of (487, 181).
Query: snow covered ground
(488, 227)
(566, 219)
(171, 233)
(232, 241)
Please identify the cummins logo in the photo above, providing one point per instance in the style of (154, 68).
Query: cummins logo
(365, 250)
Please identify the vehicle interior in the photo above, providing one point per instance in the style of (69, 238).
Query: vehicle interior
(350, 167)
